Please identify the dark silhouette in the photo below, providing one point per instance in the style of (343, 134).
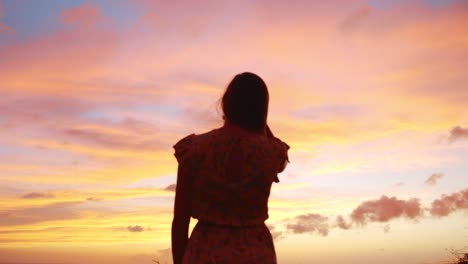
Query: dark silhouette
(224, 180)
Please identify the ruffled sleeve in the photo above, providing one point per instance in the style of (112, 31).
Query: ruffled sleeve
(184, 147)
(282, 152)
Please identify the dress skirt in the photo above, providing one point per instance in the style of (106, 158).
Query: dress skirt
(211, 244)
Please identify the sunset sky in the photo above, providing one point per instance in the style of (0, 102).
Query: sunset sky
(371, 95)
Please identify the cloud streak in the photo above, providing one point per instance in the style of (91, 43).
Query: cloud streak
(37, 195)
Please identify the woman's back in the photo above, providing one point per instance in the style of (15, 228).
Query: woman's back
(232, 173)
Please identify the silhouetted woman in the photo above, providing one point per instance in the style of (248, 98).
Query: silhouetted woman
(224, 180)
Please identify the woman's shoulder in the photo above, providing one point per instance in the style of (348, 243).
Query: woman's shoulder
(191, 142)
(191, 138)
(184, 146)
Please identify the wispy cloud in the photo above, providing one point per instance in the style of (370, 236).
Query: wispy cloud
(433, 179)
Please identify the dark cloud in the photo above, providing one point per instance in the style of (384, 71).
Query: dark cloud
(308, 223)
(458, 133)
(450, 203)
(385, 209)
(432, 180)
(171, 187)
(37, 195)
(135, 229)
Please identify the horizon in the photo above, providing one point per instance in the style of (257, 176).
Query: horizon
(371, 96)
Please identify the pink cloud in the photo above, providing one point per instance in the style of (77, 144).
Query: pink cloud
(432, 180)
(449, 203)
(86, 14)
(381, 210)
(385, 209)
(458, 133)
(308, 223)
(342, 223)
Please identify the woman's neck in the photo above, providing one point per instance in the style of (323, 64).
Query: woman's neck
(232, 128)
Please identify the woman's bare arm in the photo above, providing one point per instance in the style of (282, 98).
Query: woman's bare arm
(182, 210)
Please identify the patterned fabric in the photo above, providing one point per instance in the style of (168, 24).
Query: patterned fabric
(217, 244)
(231, 177)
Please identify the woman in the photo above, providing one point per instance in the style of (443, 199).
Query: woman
(224, 180)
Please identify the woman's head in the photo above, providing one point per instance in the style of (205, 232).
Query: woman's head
(245, 102)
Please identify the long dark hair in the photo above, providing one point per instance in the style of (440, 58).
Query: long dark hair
(245, 102)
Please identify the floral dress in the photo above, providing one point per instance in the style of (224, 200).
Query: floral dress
(231, 176)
